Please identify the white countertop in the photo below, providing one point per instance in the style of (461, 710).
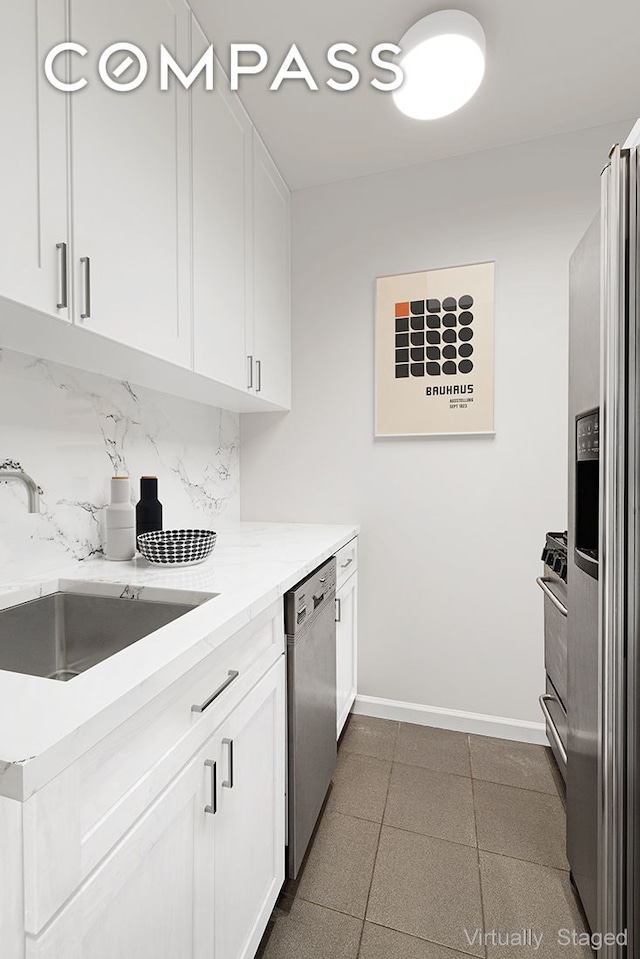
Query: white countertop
(45, 724)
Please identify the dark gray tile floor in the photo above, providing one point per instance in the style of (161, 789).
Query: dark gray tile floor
(430, 838)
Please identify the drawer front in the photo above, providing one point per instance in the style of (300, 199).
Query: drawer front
(556, 727)
(109, 788)
(346, 562)
(555, 647)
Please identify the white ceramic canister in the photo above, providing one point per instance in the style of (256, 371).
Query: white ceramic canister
(120, 521)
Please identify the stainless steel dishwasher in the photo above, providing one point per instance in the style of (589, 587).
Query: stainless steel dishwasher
(309, 611)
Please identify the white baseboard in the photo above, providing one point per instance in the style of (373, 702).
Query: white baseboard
(478, 723)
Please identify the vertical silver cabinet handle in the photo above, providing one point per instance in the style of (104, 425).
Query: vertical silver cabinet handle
(258, 376)
(249, 372)
(338, 610)
(86, 287)
(63, 298)
(213, 807)
(229, 782)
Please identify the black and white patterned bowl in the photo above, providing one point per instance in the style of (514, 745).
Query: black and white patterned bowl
(177, 547)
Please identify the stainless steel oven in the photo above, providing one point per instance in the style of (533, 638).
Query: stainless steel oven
(553, 701)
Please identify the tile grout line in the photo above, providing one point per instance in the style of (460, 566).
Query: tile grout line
(433, 942)
(475, 826)
(448, 772)
(375, 858)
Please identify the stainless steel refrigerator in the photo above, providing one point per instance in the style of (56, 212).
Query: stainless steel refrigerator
(603, 794)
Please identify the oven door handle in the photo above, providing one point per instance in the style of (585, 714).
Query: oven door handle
(547, 697)
(542, 583)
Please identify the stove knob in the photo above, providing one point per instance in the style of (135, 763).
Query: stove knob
(557, 563)
(563, 571)
(544, 555)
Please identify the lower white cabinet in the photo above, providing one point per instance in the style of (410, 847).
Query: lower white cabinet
(250, 821)
(153, 895)
(346, 647)
(197, 875)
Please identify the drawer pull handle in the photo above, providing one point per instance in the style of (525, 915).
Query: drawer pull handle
(554, 599)
(552, 726)
(229, 782)
(338, 610)
(233, 674)
(213, 808)
(348, 563)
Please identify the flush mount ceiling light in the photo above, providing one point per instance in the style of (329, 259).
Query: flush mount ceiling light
(443, 62)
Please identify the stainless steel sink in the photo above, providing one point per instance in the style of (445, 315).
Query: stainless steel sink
(66, 633)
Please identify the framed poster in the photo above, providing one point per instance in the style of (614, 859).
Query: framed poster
(434, 352)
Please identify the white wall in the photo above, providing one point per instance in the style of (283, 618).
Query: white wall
(71, 431)
(452, 528)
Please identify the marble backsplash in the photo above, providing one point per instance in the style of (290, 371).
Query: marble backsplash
(71, 431)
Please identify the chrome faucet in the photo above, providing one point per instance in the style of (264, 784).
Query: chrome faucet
(31, 487)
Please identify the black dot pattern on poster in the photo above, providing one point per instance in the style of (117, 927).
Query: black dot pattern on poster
(412, 317)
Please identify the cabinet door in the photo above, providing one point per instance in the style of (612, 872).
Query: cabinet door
(272, 278)
(221, 158)
(130, 176)
(346, 647)
(249, 861)
(33, 159)
(153, 895)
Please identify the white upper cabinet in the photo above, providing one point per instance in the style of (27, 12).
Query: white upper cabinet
(221, 151)
(131, 182)
(33, 158)
(153, 218)
(271, 342)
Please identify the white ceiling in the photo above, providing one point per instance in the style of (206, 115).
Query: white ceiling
(552, 66)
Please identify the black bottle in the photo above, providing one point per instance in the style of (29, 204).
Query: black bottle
(149, 509)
